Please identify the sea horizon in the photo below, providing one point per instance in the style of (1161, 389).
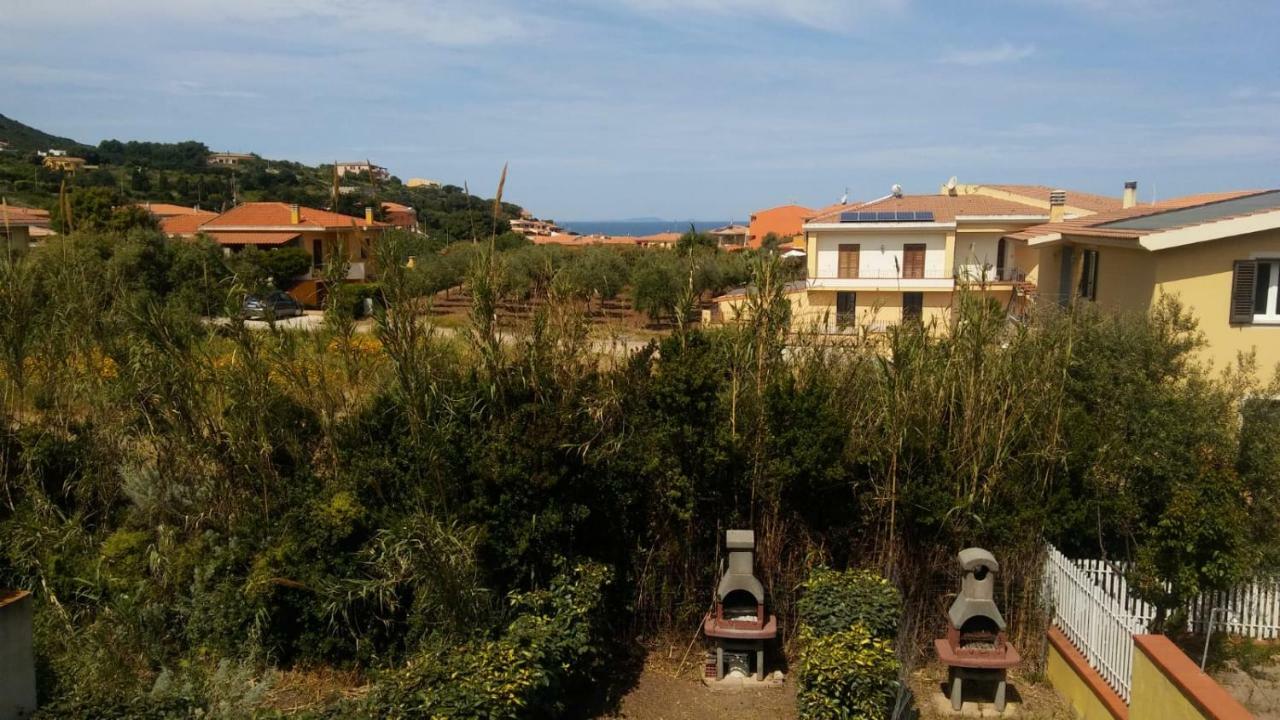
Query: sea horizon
(637, 227)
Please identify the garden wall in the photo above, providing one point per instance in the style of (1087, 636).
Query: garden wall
(1166, 684)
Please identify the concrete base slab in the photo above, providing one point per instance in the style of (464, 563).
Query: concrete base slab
(734, 682)
(974, 708)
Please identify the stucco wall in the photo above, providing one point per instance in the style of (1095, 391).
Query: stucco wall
(1081, 685)
(17, 663)
(976, 255)
(1167, 685)
(1126, 278)
(878, 253)
(1200, 275)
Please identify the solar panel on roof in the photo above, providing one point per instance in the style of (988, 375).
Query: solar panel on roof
(1269, 200)
(886, 216)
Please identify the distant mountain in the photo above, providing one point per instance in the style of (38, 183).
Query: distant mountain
(24, 138)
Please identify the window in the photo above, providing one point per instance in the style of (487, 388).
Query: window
(913, 260)
(1255, 292)
(912, 306)
(1001, 250)
(846, 309)
(848, 267)
(1089, 275)
(317, 253)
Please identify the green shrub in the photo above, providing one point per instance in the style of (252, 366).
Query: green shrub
(847, 674)
(835, 600)
(847, 667)
(553, 646)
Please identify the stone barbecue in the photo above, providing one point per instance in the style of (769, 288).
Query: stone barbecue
(975, 647)
(739, 624)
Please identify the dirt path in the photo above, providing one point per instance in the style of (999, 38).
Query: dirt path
(660, 695)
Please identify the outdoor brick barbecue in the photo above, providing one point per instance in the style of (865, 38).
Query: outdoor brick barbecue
(739, 624)
(975, 647)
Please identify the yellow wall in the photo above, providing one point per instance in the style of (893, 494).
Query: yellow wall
(1071, 686)
(1200, 276)
(1153, 697)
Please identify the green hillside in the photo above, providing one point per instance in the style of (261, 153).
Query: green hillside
(128, 172)
(24, 138)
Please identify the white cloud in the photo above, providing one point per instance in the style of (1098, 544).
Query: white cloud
(1003, 53)
(834, 15)
(435, 22)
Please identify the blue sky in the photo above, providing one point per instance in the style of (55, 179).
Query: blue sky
(676, 108)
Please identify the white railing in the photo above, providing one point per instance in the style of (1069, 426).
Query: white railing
(1253, 609)
(1095, 622)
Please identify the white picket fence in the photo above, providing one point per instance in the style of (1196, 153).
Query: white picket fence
(1253, 609)
(1096, 622)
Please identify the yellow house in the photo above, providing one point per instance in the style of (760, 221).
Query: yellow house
(1218, 253)
(65, 163)
(902, 256)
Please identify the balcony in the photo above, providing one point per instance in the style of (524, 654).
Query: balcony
(889, 284)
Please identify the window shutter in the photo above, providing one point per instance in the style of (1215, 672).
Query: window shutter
(1243, 278)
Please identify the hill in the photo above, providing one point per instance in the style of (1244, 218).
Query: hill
(131, 172)
(24, 138)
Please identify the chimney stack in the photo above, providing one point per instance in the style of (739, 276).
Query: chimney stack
(1130, 194)
(1057, 205)
(295, 215)
(368, 214)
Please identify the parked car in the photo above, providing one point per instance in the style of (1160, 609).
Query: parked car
(275, 305)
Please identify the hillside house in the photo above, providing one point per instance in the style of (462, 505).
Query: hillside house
(319, 232)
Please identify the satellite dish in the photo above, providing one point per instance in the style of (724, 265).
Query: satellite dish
(844, 199)
(951, 184)
(896, 190)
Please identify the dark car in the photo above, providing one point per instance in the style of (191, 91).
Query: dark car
(273, 305)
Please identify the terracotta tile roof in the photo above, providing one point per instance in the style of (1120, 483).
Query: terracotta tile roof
(660, 238)
(187, 224)
(24, 216)
(166, 209)
(1075, 198)
(396, 207)
(1086, 226)
(822, 212)
(945, 208)
(253, 238)
(276, 215)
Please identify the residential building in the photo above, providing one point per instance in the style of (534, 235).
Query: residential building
(178, 220)
(421, 182)
(229, 159)
(901, 257)
(377, 172)
(730, 236)
(784, 221)
(401, 216)
(1218, 253)
(64, 162)
(319, 232)
(20, 227)
(532, 227)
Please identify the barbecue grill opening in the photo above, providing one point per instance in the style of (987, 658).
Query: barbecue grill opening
(979, 633)
(741, 605)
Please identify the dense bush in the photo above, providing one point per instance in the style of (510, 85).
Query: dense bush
(556, 640)
(847, 666)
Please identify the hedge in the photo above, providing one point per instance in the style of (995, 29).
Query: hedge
(847, 666)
